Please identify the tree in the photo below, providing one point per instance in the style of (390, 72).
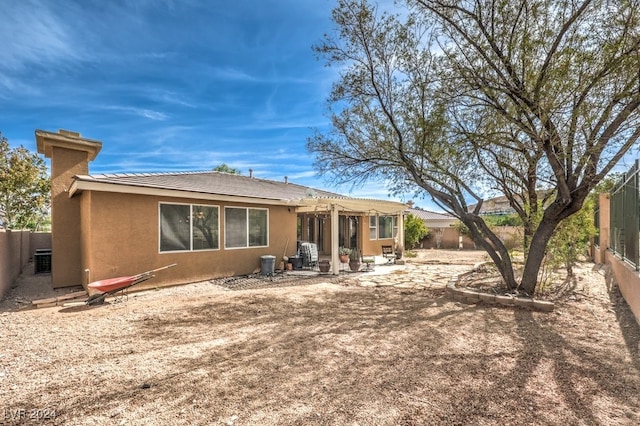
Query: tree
(414, 230)
(25, 191)
(531, 99)
(572, 238)
(223, 168)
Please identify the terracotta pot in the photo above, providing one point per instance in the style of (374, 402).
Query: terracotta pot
(344, 258)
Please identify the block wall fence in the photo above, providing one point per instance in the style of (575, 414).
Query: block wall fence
(16, 249)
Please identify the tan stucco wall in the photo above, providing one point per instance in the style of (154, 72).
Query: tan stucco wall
(14, 255)
(628, 281)
(39, 240)
(599, 251)
(16, 248)
(372, 247)
(511, 235)
(120, 235)
(65, 216)
(626, 277)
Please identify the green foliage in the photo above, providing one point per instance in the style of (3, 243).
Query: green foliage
(461, 228)
(503, 220)
(25, 189)
(224, 168)
(608, 183)
(354, 255)
(414, 230)
(344, 251)
(571, 239)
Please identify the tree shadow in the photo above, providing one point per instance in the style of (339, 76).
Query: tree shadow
(364, 356)
(627, 321)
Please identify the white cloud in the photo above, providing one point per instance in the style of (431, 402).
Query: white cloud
(33, 34)
(231, 74)
(142, 112)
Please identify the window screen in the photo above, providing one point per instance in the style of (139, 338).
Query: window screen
(385, 227)
(185, 227)
(245, 227)
(174, 227)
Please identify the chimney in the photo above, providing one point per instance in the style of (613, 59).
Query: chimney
(410, 204)
(286, 179)
(70, 155)
(250, 173)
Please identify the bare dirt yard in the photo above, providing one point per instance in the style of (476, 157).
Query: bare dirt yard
(318, 353)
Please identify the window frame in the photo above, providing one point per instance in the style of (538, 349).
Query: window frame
(248, 237)
(191, 249)
(395, 226)
(374, 227)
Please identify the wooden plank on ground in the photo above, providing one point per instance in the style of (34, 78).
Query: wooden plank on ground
(53, 301)
(74, 295)
(44, 301)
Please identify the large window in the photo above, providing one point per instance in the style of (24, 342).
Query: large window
(383, 227)
(246, 227)
(186, 227)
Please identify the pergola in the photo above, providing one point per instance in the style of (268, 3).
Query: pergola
(336, 205)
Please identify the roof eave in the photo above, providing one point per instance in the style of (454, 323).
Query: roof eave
(86, 183)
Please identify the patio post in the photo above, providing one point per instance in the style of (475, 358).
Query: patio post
(401, 229)
(335, 220)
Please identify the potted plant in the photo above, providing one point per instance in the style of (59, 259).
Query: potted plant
(344, 253)
(369, 261)
(399, 251)
(354, 260)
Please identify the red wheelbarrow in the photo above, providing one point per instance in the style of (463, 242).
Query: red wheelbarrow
(112, 286)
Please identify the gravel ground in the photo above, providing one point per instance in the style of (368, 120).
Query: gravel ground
(329, 353)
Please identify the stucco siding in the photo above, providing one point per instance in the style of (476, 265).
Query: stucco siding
(627, 280)
(65, 217)
(124, 240)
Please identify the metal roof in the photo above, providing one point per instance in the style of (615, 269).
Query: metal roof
(429, 215)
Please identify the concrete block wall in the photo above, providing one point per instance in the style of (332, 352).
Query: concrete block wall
(16, 248)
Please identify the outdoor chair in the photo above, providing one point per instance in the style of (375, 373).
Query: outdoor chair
(387, 253)
(309, 253)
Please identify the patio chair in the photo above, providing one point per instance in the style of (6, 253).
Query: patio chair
(309, 252)
(388, 253)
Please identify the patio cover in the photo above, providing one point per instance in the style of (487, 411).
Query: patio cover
(336, 205)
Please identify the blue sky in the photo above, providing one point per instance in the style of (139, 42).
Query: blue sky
(172, 85)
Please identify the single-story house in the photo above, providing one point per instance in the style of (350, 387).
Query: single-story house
(442, 233)
(433, 219)
(211, 224)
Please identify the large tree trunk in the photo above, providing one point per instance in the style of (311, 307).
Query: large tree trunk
(483, 236)
(536, 255)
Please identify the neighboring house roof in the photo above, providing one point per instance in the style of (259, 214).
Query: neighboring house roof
(434, 219)
(212, 185)
(429, 215)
